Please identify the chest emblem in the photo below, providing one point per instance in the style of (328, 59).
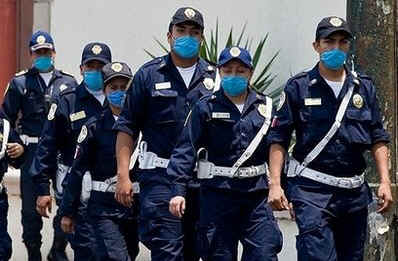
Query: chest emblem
(51, 112)
(208, 83)
(82, 135)
(357, 100)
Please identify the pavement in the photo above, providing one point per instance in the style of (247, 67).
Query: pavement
(288, 228)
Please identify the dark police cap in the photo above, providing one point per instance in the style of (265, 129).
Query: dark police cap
(41, 39)
(115, 69)
(235, 52)
(330, 25)
(187, 14)
(96, 51)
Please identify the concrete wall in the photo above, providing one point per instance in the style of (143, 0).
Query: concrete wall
(129, 26)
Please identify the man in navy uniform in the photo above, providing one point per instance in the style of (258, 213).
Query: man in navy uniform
(336, 116)
(67, 115)
(27, 101)
(157, 104)
(226, 133)
(115, 226)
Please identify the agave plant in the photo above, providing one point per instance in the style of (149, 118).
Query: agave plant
(209, 51)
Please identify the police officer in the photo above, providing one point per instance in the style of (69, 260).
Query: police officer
(163, 91)
(336, 116)
(11, 152)
(114, 225)
(226, 132)
(67, 115)
(29, 94)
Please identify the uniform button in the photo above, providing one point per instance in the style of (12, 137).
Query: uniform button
(337, 141)
(243, 135)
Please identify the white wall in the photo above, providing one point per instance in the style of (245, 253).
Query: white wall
(128, 26)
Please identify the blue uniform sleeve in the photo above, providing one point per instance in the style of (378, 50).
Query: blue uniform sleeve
(283, 120)
(377, 131)
(44, 165)
(12, 103)
(134, 109)
(183, 159)
(73, 188)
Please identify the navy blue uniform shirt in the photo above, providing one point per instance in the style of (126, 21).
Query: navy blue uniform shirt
(95, 152)
(67, 115)
(361, 126)
(217, 125)
(158, 103)
(27, 93)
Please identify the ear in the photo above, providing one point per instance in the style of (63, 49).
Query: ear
(250, 75)
(53, 54)
(81, 70)
(316, 46)
(169, 38)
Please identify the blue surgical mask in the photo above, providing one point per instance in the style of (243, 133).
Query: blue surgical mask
(116, 98)
(333, 59)
(234, 85)
(93, 80)
(43, 63)
(186, 47)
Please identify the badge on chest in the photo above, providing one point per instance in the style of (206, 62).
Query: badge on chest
(162, 85)
(313, 101)
(220, 115)
(77, 116)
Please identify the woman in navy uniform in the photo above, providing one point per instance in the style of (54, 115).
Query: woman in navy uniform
(226, 132)
(115, 226)
(336, 116)
(11, 150)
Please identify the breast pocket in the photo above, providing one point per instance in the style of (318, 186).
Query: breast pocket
(163, 106)
(358, 125)
(222, 133)
(314, 114)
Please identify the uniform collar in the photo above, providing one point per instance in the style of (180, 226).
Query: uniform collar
(202, 67)
(252, 97)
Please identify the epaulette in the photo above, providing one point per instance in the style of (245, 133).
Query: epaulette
(67, 74)
(21, 73)
(300, 75)
(155, 61)
(67, 91)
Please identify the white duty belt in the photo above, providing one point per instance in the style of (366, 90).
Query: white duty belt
(109, 185)
(29, 140)
(296, 169)
(300, 169)
(149, 160)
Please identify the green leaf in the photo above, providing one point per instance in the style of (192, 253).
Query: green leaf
(229, 40)
(161, 45)
(241, 35)
(259, 50)
(266, 68)
(150, 54)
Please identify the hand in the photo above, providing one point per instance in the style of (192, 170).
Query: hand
(277, 198)
(177, 206)
(124, 192)
(14, 150)
(42, 204)
(385, 196)
(67, 225)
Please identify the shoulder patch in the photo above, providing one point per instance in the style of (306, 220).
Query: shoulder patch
(6, 90)
(209, 83)
(83, 134)
(51, 112)
(63, 87)
(282, 100)
(21, 73)
(300, 75)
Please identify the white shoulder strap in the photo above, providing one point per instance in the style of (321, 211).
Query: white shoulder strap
(257, 139)
(217, 81)
(6, 132)
(134, 156)
(336, 125)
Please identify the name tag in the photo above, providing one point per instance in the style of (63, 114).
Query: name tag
(313, 101)
(77, 116)
(162, 85)
(220, 115)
